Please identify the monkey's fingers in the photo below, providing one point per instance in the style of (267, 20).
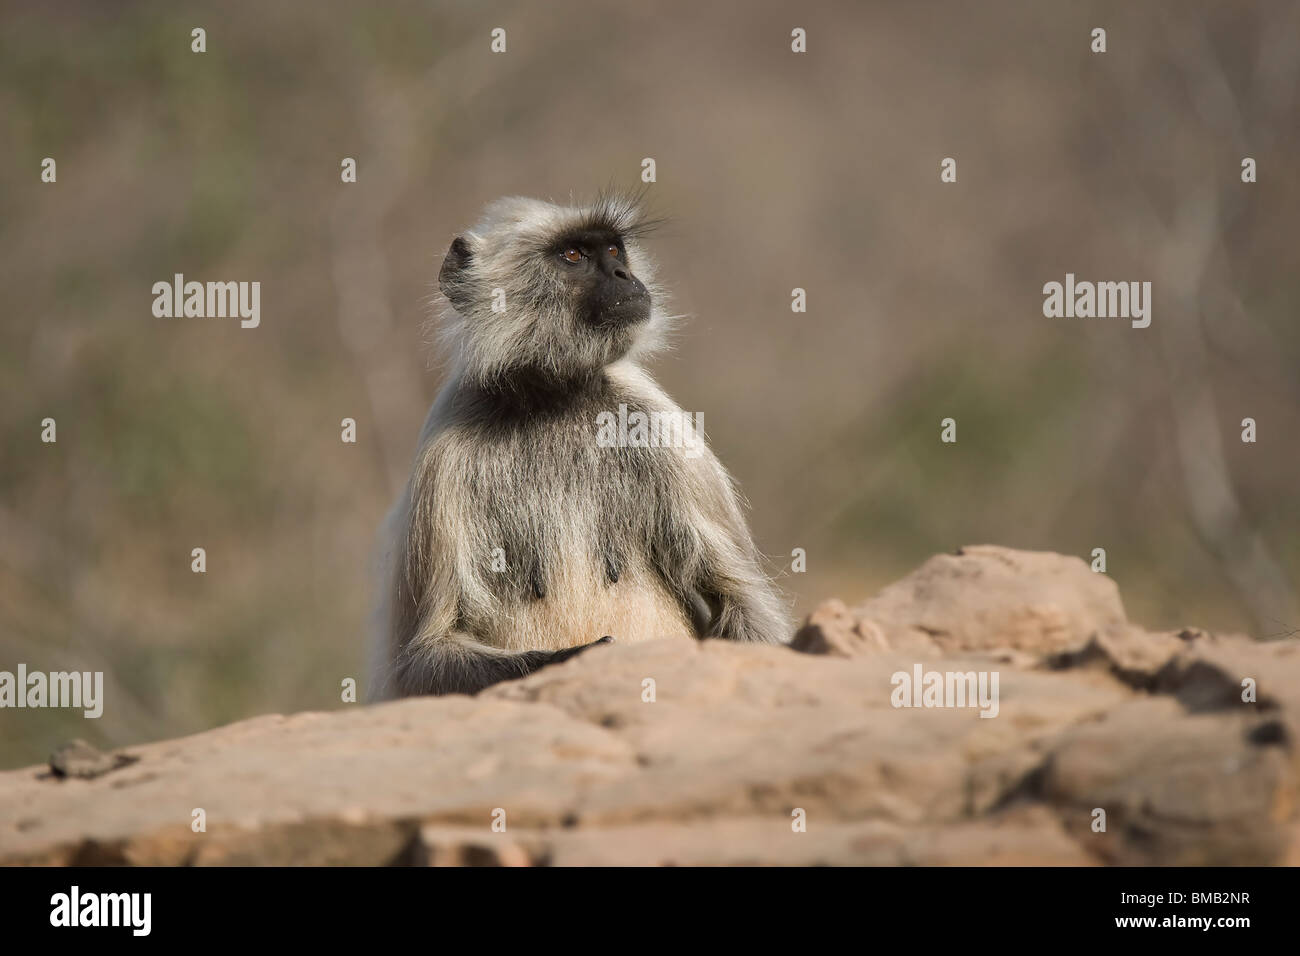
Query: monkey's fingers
(703, 612)
(568, 652)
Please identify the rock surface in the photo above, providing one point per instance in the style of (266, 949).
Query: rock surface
(710, 753)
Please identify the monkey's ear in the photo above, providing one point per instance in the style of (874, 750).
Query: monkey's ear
(457, 259)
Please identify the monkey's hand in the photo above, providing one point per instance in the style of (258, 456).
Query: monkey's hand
(528, 662)
(460, 666)
(740, 614)
(704, 612)
(566, 653)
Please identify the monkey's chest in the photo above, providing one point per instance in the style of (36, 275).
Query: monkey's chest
(549, 506)
(570, 529)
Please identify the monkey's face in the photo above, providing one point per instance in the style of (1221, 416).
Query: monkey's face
(593, 265)
(537, 287)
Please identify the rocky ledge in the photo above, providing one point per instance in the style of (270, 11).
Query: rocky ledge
(1103, 744)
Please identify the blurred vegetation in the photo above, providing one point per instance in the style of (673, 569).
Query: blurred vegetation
(776, 171)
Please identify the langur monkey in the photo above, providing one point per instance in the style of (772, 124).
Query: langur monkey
(522, 537)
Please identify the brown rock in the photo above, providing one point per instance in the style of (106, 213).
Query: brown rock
(718, 753)
(833, 629)
(1177, 789)
(982, 598)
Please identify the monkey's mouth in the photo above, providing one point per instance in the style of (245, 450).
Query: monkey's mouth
(621, 311)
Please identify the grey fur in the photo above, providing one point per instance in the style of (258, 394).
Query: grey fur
(635, 543)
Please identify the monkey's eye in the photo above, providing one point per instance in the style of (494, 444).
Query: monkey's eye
(572, 255)
(613, 251)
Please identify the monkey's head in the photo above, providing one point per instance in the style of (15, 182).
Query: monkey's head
(556, 292)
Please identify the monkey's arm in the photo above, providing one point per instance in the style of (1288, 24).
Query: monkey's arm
(457, 664)
(725, 589)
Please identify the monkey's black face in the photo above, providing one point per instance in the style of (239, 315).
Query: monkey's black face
(594, 265)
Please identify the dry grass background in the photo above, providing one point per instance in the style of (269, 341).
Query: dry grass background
(776, 170)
